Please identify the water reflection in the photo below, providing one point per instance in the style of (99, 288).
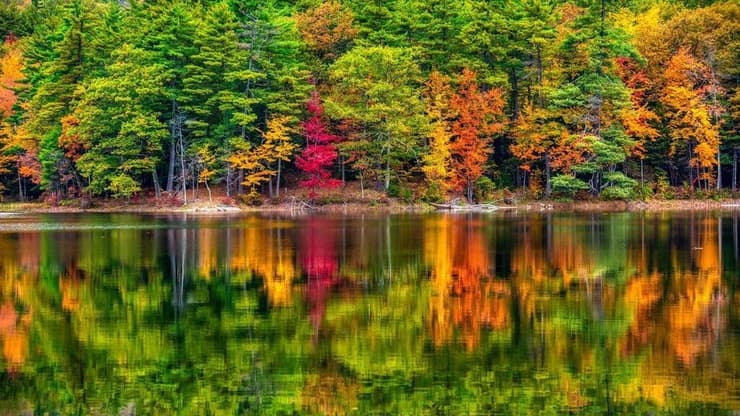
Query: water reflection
(612, 313)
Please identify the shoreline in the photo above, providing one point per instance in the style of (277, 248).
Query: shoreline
(391, 207)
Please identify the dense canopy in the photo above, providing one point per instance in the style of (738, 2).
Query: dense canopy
(429, 99)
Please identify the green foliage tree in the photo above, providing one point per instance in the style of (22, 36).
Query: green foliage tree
(119, 123)
(590, 96)
(218, 99)
(375, 86)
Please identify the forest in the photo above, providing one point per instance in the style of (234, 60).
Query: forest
(418, 99)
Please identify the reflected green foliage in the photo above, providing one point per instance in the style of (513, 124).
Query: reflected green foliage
(439, 314)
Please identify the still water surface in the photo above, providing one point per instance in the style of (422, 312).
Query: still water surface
(409, 314)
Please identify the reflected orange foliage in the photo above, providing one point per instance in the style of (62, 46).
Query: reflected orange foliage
(695, 297)
(568, 253)
(643, 292)
(465, 296)
(267, 252)
(13, 336)
(207, 252)
(686, 326)
(69, 285)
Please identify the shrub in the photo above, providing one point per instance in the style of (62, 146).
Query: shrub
(618, 186)
(168, 199)
(433, 193)
(227, 200)
(250, 199)
(406, 195)
(394, 190)
(566, 185)
(484, 188)
(663, 189)
(123, 186)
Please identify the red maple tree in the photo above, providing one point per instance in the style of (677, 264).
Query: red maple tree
(320, 152)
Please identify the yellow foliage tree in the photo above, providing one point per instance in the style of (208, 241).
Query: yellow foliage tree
(278, 138)
(206, 160)
(689, 116)
(256, 159)
(437, 161)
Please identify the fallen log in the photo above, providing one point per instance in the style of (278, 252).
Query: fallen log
(465, 207)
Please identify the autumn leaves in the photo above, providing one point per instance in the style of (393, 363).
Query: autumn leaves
(430, 99)
(463, 122)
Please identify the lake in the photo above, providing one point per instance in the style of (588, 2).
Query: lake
(506, 313)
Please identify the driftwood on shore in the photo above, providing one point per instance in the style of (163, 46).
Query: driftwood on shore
(457, 205)
(298, 205)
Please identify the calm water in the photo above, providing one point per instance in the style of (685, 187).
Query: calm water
(434, 314)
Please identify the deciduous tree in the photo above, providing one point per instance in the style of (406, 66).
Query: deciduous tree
(320, 152)
(478, 116)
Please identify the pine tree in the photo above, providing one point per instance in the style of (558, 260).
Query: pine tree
(119, 123)
(218, 102)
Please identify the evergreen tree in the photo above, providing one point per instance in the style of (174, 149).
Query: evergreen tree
(216, 85)
(119, 123)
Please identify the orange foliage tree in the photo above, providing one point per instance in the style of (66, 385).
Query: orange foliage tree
(14, 148)
(638, 120)
(11, 67)
(689, 116)
(479, 116)
(327, 29)
(538, 136)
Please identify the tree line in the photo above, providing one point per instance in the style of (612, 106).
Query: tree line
(433, 98)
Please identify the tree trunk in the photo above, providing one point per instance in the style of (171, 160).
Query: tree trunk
(387, 174)
(208, 188)
(277, 181)
(157, 189)
(228, 180)
(171, 166)
(548, 185)
(362, 186)
(540, 71)
(734, 169)
(691, 170)
(240, 184)
(719, 169)
(514, 94)
(20, 186)
(183, 172)
(195, 183)
(341, 169)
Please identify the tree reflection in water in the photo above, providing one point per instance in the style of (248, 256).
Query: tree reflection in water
(536, 313)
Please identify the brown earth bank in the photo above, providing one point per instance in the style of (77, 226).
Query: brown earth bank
(347, 200)
(390, 206)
